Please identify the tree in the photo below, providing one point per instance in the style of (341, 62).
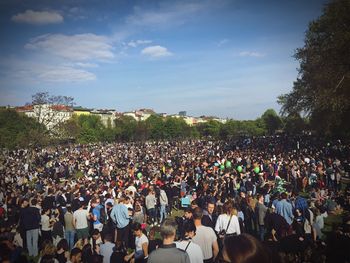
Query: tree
(52, 111)
(322, 89)
(271, 120)
(210, 128)
(294, 124)
(126, 127)
(18, 130)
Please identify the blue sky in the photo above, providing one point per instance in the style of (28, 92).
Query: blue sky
(223, 58)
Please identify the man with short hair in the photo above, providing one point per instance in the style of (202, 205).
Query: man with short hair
(260, 213)
(193, 250)
(168, 251)
(205, 237)
(106, 249)
(285, 209)
(30, 220)
(209, 218)
(121, 218)
(80, 222)
(150, 202)
(96, 214)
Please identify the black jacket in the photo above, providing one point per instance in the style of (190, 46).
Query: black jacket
(30, 218)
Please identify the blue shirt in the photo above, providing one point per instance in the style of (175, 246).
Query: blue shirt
(96, 212)
(120, 215)
(285, 209)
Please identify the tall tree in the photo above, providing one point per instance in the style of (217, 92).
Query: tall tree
(52, 111)
(322, 90)
(271, 120)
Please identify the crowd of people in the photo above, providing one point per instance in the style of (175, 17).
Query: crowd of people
(263, 199)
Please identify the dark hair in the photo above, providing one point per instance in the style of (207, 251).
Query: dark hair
(75, 251)
(96, 259)
(34, 202)
(63, 244)
(136, 227)
(188, 210)
(197, 213)
(284, 196)
(108, 237)
(188, 226)
(86, 253)
(47, 259)
(245, 248)
(95, 232)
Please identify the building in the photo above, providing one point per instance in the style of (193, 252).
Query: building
(107, 117)
(49, 115)
(81, 111)
(141, 114)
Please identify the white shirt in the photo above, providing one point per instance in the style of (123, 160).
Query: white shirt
(193, 250)
(205, 237)
(139, 241)
(222, 222)
(45, 223)
(81, 218)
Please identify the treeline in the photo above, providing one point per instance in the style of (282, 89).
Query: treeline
(17, 130)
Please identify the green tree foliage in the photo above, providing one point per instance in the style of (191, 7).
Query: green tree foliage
(126, 128)
(18, 130)
(322, 90)
(210, 129)
(294, 124)
(271, 121)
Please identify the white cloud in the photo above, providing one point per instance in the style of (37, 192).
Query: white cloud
(156, 51)
(251, 54)
(66, 74)
(223, 42)
(165, 15)
(86, 65)
(135, 43)
(25, 70)
(38, 17)
(80, 47)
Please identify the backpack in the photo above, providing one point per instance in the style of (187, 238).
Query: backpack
(103, 215)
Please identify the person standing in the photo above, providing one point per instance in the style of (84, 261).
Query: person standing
(46, 226)
(140, 254)
(205, 237)
(163, 199)
(80, 222)
(121, 219)
(209, 218)
(284, 208)
(151, 202)
(260, 210)
(227, 222)
(30, 220)
(106, 249)
(168, 251)
(69, 227)
(96, 214)
(186, 244)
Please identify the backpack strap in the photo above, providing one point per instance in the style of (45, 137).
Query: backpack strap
(188, 245)
(228, 224)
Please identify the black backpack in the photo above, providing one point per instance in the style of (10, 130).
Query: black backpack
(103, 215)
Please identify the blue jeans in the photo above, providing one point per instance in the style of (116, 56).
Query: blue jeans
(32, 237)
(152, 214)
(69, 235)
(162, 212)
(262, 231)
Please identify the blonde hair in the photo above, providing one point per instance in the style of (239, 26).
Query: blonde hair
(48, 249)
